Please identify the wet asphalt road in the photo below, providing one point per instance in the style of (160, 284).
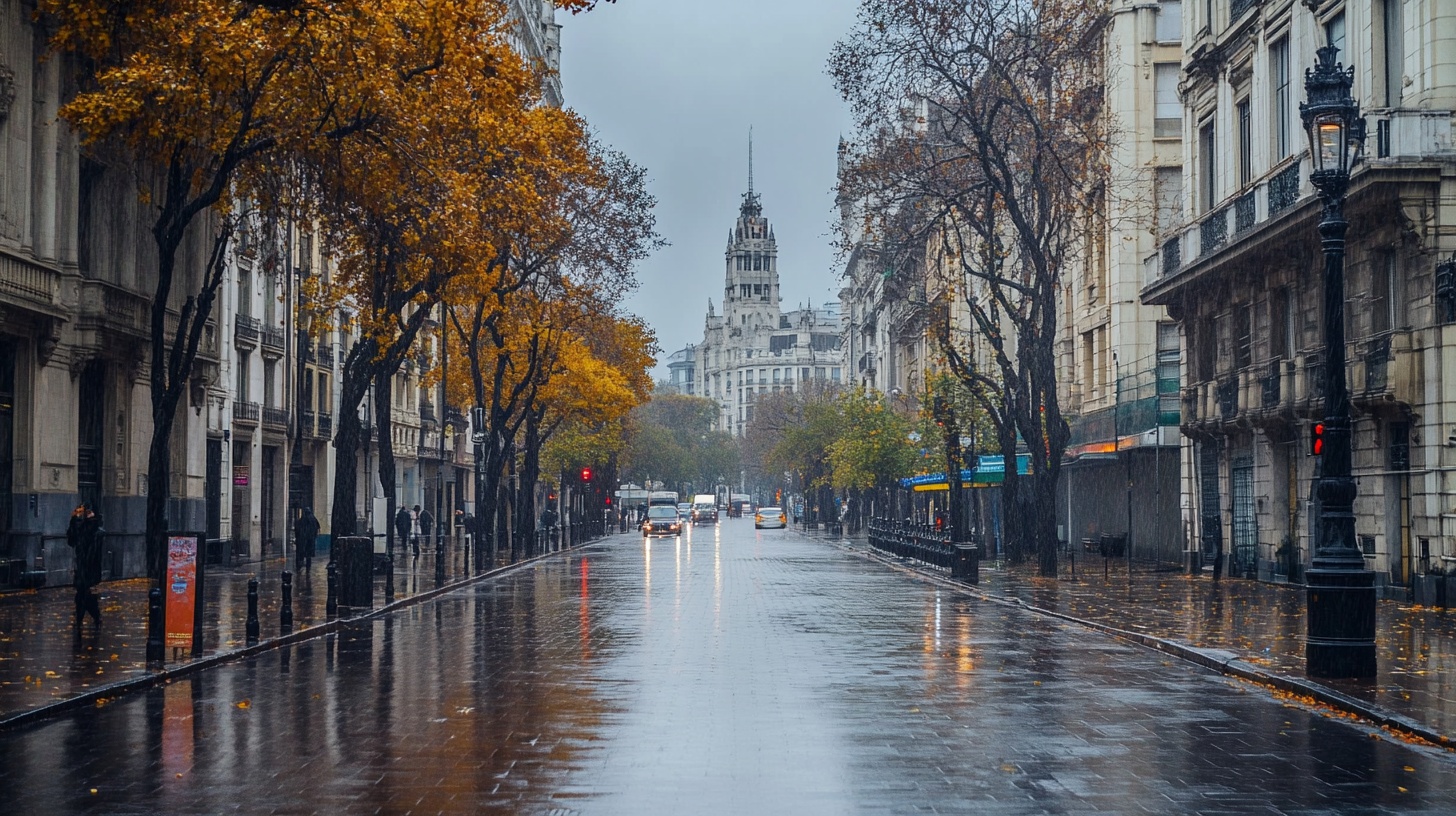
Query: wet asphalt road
(726, 672)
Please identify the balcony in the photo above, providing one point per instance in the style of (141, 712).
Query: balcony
(1244, 210)
(1269, 197)
(275, 419)
(1228, 397)
(272, 339)
(1314, 376)
(427, 411)
(245, 413)
(247, 329)
(1238, 8)
(325, 426)
(1213, 232)
(324, 357)
(1273, 383)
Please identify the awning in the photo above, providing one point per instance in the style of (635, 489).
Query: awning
(989, 471)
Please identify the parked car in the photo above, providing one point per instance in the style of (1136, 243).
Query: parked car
(662, 519)
(769, 517)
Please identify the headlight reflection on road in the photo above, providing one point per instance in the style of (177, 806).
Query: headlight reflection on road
(647, 572)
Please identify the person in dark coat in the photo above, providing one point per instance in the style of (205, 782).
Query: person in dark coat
(403, 521)
(305, 536)
(84, 535)
(427, 527)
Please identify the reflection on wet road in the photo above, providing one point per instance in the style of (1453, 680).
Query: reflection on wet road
(727, 671)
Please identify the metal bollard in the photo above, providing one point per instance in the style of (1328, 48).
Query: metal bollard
(389, 577)
(156, 650)
(439, 560)
(331, 606)
(285, 615)
(252, 611)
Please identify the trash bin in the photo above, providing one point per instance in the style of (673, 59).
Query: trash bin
(355, 555)
(1113, 545)
(967, 564)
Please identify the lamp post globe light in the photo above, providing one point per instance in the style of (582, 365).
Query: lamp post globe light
(1340, 613)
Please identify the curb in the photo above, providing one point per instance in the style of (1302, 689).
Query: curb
(1217, 660)
(104, 693)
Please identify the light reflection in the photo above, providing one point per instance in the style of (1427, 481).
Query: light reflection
(677, 576)
(177, 731)
(717, 581)
(584, 614)
(647, 572)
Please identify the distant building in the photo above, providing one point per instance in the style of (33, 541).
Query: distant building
(682, 371)
(753, 348)
(537, 37)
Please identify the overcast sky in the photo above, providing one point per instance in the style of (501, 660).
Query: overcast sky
(675, 85)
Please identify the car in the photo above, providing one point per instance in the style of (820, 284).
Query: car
(685, 510)
(662, 519)
(769, 517)
(704, 509)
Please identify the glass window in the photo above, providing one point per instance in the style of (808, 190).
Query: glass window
(1209, 166)
(1170, 21)
(834, 374)
(1168, 183)
(1246, 146)
(1393, 44)
(1167, 110)
(1279, 79)
(1335, 35)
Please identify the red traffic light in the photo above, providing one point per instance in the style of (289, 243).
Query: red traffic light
(1317, 439)
(609, 501)
(586, 474)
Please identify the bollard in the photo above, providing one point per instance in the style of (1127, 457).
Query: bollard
(285, 615)
(331, 606)
(156, 650)
(439, 560)
(252, 611)
(389, 577)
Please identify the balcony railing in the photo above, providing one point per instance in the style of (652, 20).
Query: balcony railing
(1172, 255)
(1238, 8)
(326, 425)
(324, 357)
(1244, 213)
(1213, 232)
(247, 328)
(245, 412)
(1273, 383)
(1314, 373)
(275, 418)
(1377, 365)
(1228, 397)
(272, 337)
(1284, 189)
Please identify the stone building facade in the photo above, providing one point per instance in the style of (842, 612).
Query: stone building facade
(753, 347)
(1243, 277)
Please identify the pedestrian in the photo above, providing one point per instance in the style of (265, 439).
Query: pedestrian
(548, 521)
(427, 526)
(403, 523)
(305, 536)
(414, 535)
(84, 535)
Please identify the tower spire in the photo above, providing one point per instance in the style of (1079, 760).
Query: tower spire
(750, 159)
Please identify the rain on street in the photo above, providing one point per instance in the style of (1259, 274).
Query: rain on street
(729, 670)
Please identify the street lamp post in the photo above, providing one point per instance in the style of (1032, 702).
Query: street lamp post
(1340, 617)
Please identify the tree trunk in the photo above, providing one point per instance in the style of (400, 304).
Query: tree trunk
(383, 400)
(344, 514)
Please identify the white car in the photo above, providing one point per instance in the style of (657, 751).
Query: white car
(769, 517)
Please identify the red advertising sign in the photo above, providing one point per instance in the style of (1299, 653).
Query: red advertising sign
(181, 590)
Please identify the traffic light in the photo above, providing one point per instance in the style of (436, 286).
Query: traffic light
(609, 501)
(1317, 439)
(586, 474)
(778, 496)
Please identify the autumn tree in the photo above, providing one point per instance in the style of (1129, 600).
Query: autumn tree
(980, 141)
(569, 265)
(193, 96)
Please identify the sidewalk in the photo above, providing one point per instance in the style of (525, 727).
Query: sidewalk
(45, 660)
(1259, 624)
